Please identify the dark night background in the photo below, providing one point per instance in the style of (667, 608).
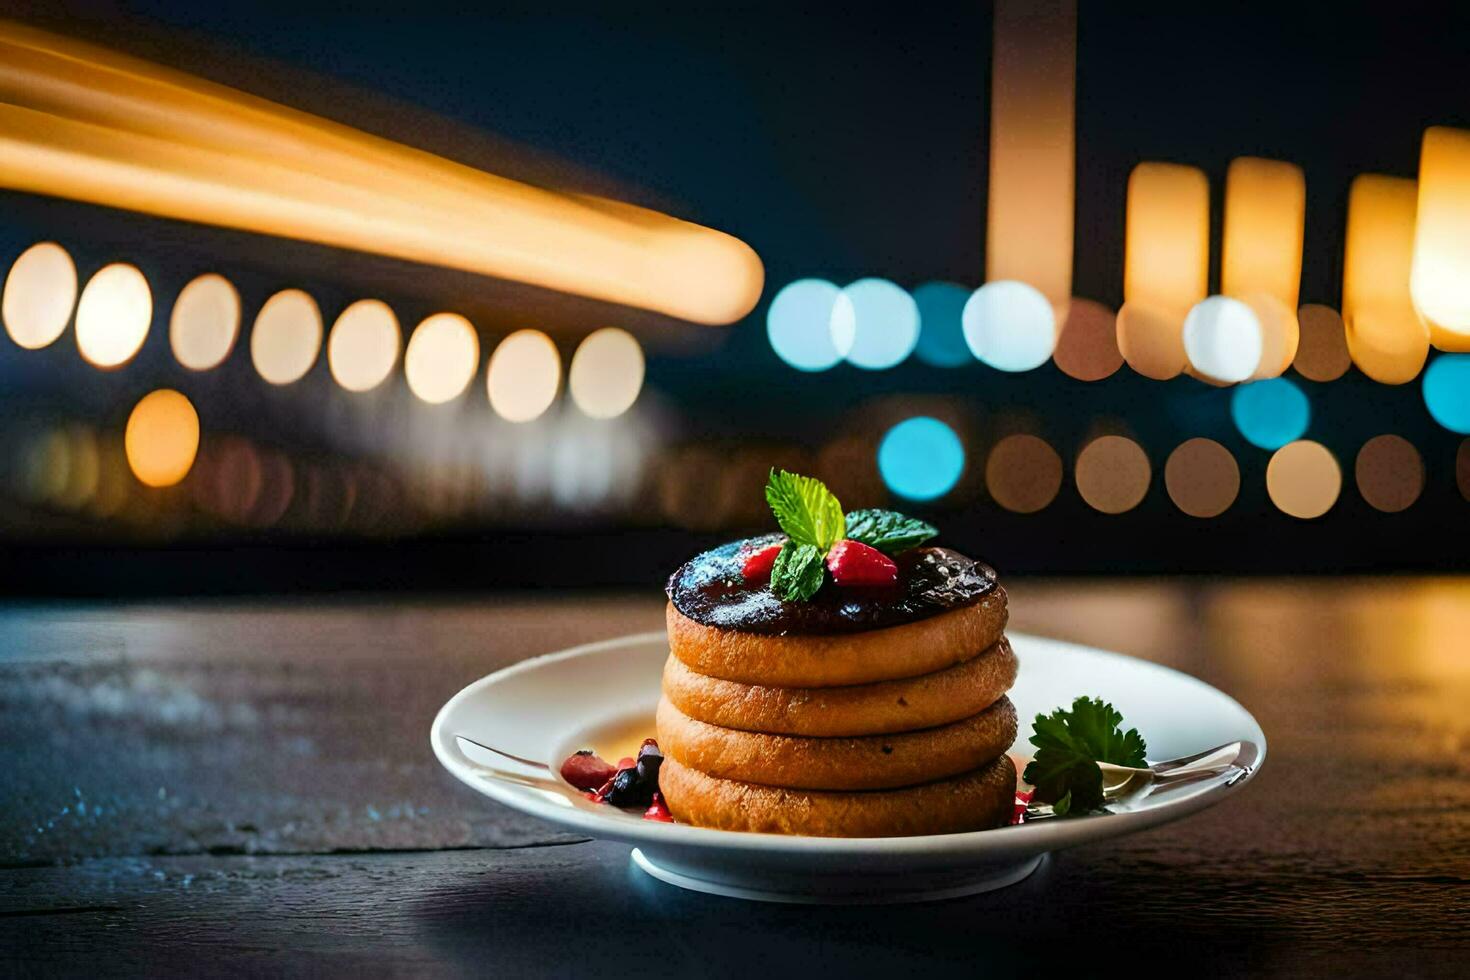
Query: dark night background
(839, 142)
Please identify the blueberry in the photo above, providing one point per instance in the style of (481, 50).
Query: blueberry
(649, 761)
(628, 790)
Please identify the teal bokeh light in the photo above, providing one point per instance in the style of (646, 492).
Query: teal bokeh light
(1447, 391)
(921, 458)
(941, 328)
(799, 324)
(1270, 413)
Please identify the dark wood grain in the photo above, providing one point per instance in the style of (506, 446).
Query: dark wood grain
(212, 789)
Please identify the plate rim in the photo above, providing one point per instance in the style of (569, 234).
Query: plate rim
(1019, 840)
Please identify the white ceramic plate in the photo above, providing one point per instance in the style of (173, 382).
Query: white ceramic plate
(603, 695)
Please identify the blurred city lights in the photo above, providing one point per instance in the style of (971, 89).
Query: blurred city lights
(162, 438)
(39, 294)
(1087, 347)
(1261, 256)
(524, 375)
(1033, 148)
(113, 315)
(1270, 413)
(1322, 354)
(442, 358)
(363, 345)
(606, 373)
(799, 324)
(1390, 473)
(1023, 473)
(205, 322)
(1112, 474)
(1387, 340)
(1222, 339)
(83, 469)
(86, 123)
(1440, 280)
(941, 330)
(1151, 340)
(1166, 264)
(1010, 326)
(1447, 391)
(877, 327)
(1202, 478)
(921, 458)
(1303, 479)
(287, 337)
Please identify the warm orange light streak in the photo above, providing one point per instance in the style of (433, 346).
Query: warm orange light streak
(93, 110)
(1261, 258)
(1440, 280)
(1387, 340)
(1166, 264)
(1033, 149)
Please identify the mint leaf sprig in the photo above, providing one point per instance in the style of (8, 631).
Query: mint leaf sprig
(1070, 744)
(812, 518)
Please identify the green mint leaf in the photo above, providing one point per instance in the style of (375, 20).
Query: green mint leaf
(888, 530)
(1063, 806)
(1070, 744)
(798, 572)
(806, 510)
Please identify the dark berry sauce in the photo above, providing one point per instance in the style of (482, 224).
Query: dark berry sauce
(711, 590)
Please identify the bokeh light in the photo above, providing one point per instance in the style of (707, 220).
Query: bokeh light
(1023, 473)
(83, 470)
(1222, 339)
(799, 324)
(1087, 347)
(921, 458)
(1390, 473)
(524, 375)
(205, 322)
(45, 466)
(1322, 353)
(1113, 474)
(1151, 340)
(113, 315)
(606, 373)
(162, 438)
(39, 293)
(1440, 279)
(1385, 336)
(1281, 334)
(1202, 478)
(363, 346)
(1010, 326)
(1270, 413)
(1261, 249)
(877, 327)
(287, 337)
(1303, 479)
(442, 358)
(941, 327)
(1447, 391)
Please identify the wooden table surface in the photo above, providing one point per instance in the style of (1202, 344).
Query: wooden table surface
(198, 789)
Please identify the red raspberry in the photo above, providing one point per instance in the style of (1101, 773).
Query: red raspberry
(853, 563)
(585, 770)
(758, 564)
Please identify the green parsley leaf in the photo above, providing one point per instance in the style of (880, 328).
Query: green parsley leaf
(806, 510)
(798, 572)
(1070, 744)
(888, 530)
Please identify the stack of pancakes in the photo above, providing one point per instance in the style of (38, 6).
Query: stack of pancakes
(894, 730)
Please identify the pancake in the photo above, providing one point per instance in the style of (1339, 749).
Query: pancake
(864, 709)
(848, 763)
(980, 799)
(831, 660)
